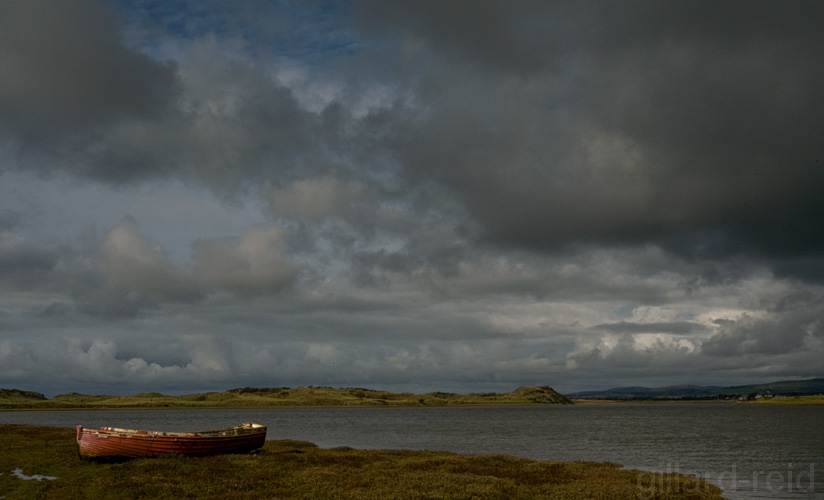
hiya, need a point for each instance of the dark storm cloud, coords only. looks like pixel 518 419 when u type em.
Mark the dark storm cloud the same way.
pixel 695 126
pixel 794 324
pixel 692 126
pixel 9 219
pixel 25 265
pixel 73 97
pixel 65 75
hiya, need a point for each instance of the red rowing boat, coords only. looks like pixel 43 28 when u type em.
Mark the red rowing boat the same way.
pixel 109 442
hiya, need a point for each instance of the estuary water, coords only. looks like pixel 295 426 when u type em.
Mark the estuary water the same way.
pixel 752 452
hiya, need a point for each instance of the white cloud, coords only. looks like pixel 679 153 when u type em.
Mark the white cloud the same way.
pixel 313 200
pixel 130 260
pixel 253 263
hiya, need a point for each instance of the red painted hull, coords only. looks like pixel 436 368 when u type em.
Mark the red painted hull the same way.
pixel 109 442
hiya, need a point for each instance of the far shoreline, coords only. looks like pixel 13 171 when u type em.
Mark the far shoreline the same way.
pixel 585 402
pixel 776 401
pixel 250 397
pixel 328 397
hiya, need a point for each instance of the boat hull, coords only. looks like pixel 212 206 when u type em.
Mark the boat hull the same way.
pixel 109 442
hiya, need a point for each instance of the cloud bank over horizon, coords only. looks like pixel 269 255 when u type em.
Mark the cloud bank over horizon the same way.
pixel 467 196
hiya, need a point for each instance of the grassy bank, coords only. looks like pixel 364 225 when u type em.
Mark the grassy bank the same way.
pixel 788 400
pixel 300 470
pixel 281 396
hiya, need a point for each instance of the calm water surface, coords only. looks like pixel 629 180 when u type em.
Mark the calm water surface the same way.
pixel 753 452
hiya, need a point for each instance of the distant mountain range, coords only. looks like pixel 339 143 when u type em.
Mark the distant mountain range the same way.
pixel 783 388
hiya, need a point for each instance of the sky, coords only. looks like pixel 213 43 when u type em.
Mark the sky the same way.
pixel 465 196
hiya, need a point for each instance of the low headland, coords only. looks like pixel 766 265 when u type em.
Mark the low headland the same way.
pixel 247 397
pixel 41 462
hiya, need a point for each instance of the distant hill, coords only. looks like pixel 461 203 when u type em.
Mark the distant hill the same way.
pixel 281 396
pixel 683 392
pixel 16 394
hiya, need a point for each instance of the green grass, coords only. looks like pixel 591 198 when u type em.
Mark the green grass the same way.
pixel 281 396
pixel 301 470
pixel 789 400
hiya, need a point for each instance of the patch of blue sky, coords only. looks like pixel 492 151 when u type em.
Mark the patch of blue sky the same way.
pixel 308 31
pixel 180 18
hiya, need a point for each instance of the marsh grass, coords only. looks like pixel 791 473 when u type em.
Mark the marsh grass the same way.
pixel 789 400
pixel 300 470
